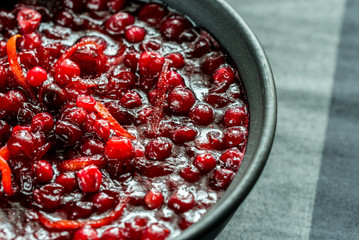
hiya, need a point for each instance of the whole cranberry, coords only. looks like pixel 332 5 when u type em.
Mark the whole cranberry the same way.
pixel 174 79
pixel 153 199
pixel 86 102
pixel 21 143
pixel 152 13
pixel 43 122
pixel 224 75
pixel 181 100
pixel 65 71
pixel 119 148
pixel 173 27
pixel 114 233
pixel 43 171
pixel 234 136
pixel 159 149
pixel 85 233
pixel 183 134
pixel 131 99
pixel 202 114
pixel 117 23
pixel 68 132
pixel 92 147
pixel 155 232
pixel 36 76
pixel 235 116
pixel 28 20
pixel 135 34
pixel 102 129
pixel 12 101
pixel 150 63
pixel 48 197
pixel 76 116
pixel 212 62
pixel 53 96
pixel 190 174
pixel 231 159
pixel 181 201
pixel 205 162
pixel 103 201
pixel 177 60
pixel 90 179
pixel 221 178
pixel 68 181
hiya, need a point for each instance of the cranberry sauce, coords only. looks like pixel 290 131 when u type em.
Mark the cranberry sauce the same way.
pixel 118 120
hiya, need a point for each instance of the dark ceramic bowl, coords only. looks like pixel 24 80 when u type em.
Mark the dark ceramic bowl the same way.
pixel 236 37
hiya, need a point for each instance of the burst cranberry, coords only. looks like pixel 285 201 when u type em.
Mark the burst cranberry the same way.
pixel 231 159
pixel 48 197
pixel 183 134
pixel 81 209
pixel 159 149
pixel 68 181
pixel 177 60
pixel 151 46
pixel 144 115
pixel 119 148
pixel 181 100
pixel 224 75
pixel 90 179
pixel 114 233
pixel 181 201
pixel 221 178
pixel 53 96
pixel 68 132
pixel 85 233
pixel 96 5
pixel 174 79
pixel 30 41
pixel 43 122
pixel 190 174
pixel 36 76
pixel 131 99
pixel 43 171
pixel 116 5
pixel 92 147
pixel 234 136
pixel 205 162
pixel 76 116
pixel 131 60
pixel 28 20
pixel 65 71
pixel 153 199
pixel 117 23
pixel 235 116
pixel 12 101
pixel 103 202
pixel 173 27
pixel 123 80
pixel 150 63
pixel 135 34
pixel 152 13
pixel 135 227
pixel 21 143
pixel 102 129
pixel 86 102
pixel 212 62
pixel 101 43
pixel 202 114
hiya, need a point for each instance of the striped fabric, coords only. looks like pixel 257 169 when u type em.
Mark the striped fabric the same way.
pixel 310 186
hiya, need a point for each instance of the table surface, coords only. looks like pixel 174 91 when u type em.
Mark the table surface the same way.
pixel 309 187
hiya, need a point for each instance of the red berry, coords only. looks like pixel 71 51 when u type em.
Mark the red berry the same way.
pixel 103 201
pixel 53 96
pixel 234 136
pixel 86 102
pixel 131 99
pixel 68 181
pixel 177 60
pixel 181 100
pixel 116 5
pixel 92 147
pixel 30 41
pixel 153 199
pixel 155 232
pixel 43 122
pixel 3 77
pixel 190 174
pixel 96 5
pixel 28 20
pixel 173 27
pixel 144 115
pixel 12 101
pixel 183 134
pixel 131 60
pixel 36 76
pixel 85 233
pixel 152 13
pixel 48 197
pixel 150 63
pixel 43 171
pixel 202 114
pixel 235 116
pixel 117 23
pixel 68 132
pixel 174 79
pixel 135 227
pixel 114 233
pixel 119 148
pixel 212 61
pixel 21 143
pixel 221 178
pixel 205 162
pixel 181 201
pixel 135 34
pixel 159 149
pixel 65 71
pixel 90 179
pixel 102 129
pixel 231 159
pixel 224 75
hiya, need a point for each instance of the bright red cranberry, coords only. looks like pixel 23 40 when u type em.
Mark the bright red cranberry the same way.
pixel 68 181
pixel 144 115
pixel 174 79
pixel 200 47
pixel 135 227
pixel 96 5
pixel 90 122
pixel 116 5
pixel 92 147
pixel 68 132
pixel 235 116
pixel 30 41
pixel 102 129
pixel 153 199
pixel 205 162
pixel 202 114
pixel 66 19
pixel 28 20
pixel 135 34
pixel 76 116
pixel 86 102
pixel 231 159
pixel 65 71
pixel 119 148
pixel 123 80
pixel 224 75
pixel 114 233
pixel 212 62
pixel 43 122
pixel 117 23
pixel 90 179
pixel 48 197
pixel 173 27
pixel 81 209
pixel 234 136
pixel 181 100
pixel 155 232
pixel 131 60
pixel 190 174
pixel 4 131
pixel 159 149
pixel 53 96
pixel 183 134
pixel 85 233
pixel 103 202
pixel 181 201
pixel 21 143
pixel 177 60
pixel 152 13
pixel 12 101
pixel 36 76
pixel 43 171
pixel 150 63
pixel 221 178
pixel 131 99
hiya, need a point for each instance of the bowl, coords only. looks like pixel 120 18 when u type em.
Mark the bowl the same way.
pixel 231 31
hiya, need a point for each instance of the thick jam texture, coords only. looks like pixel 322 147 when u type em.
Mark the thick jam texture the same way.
pixel 118 120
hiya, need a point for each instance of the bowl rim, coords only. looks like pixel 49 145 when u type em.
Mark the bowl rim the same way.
pixel 226 206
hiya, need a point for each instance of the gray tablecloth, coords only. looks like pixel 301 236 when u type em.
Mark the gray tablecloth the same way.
pixel 309 188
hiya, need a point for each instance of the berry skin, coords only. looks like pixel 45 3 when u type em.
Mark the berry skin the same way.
pixel 43 122
pixel 177 60
pixel 205 162
pixel 155 232
pixel 48 197
pixel 85 233
pixel 181 201
pixel 150 63
pixel 231 159
pixel 119 148
pixel 221 178
pixel 28 20
pixel 235 116
pixel 152 13
pixel 90 179
pixel 153 199
pixel 224 75
pixel 43 171
pixel 181 100
pixel 159 149
pixel 135 34
pixel 36 76
pixel 68 181
pixel 118 22
pixel 65 71
pixel 86 102
pixel 202 114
